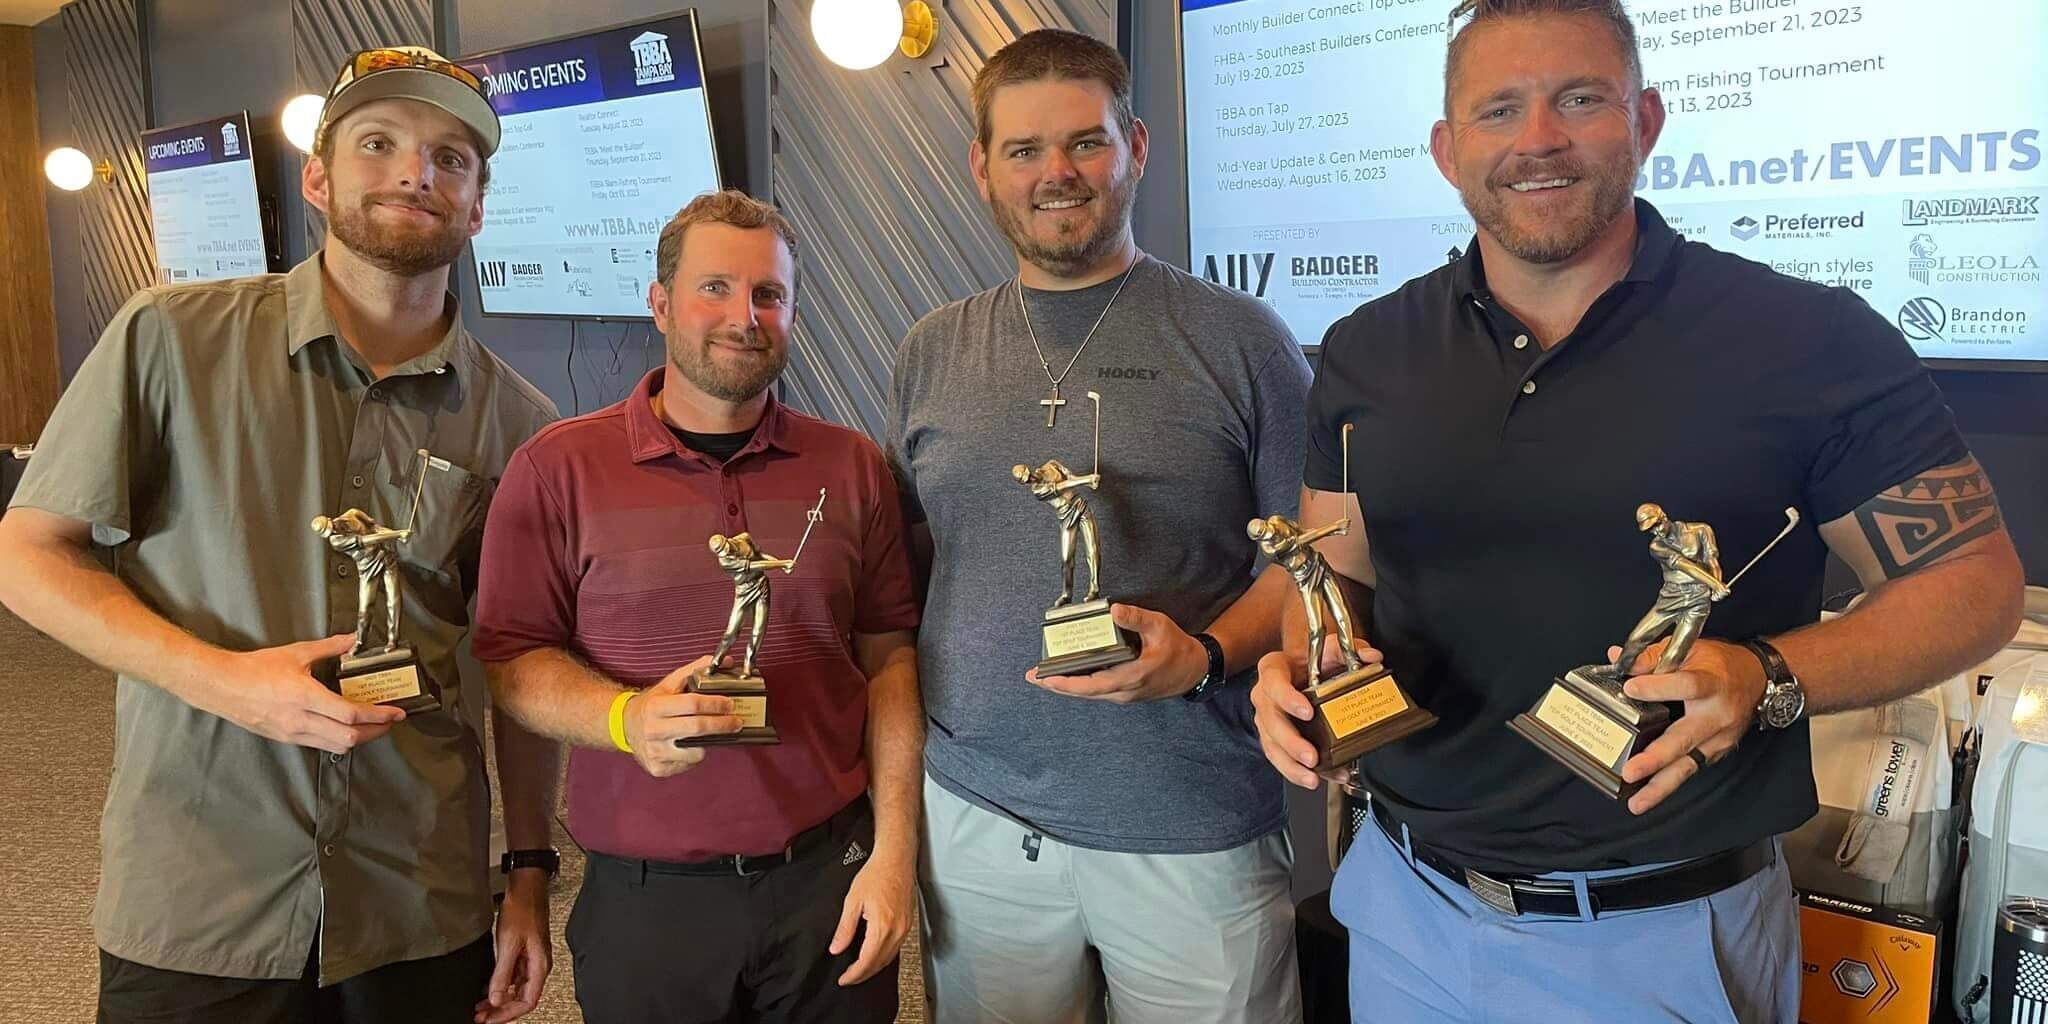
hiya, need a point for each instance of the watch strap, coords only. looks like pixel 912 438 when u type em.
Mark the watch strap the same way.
pixel 547 860
pixel 1216 676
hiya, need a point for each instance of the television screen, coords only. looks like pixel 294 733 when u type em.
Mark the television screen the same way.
pixel 1894 149
pixel 202 200
pixel 606 135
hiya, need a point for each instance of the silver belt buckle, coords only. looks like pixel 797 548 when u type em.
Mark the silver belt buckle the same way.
pixel 1493 892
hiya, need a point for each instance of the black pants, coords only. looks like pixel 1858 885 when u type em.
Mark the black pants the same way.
pixel 653 946
pixel 435 990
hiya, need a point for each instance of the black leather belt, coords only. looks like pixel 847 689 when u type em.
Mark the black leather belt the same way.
pixel 1550 897
pixel 747 864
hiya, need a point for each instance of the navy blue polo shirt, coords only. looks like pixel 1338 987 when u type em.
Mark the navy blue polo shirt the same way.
pixel 1499 481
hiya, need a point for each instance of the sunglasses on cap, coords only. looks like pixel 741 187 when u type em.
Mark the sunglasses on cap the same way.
pixel 369 62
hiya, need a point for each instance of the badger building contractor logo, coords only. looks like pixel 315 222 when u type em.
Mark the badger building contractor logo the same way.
pixel 651 61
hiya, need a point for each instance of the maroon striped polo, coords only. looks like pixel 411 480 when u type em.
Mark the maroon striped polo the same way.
pixel 597 543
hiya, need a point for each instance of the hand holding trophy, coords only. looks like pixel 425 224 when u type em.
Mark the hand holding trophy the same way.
pixel 387 673
pixel 744 561
pixel 1077 638
pixel 1584 720
pixel 1363 707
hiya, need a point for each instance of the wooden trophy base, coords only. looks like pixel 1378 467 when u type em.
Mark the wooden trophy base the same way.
pixel 1082 638
pixel 749 701
pixel 1359 711
pixel 388 676
pixel 1589 725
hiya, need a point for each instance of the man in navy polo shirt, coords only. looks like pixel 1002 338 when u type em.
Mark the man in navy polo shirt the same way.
pixel 1513 410
pixel 730 885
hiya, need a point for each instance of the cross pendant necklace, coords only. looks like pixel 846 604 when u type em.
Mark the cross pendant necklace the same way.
pixel 1053 401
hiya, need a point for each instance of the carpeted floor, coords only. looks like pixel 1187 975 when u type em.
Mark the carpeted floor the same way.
pixel 56 743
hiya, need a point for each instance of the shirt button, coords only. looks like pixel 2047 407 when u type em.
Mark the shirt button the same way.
pixel 334 758
pixel 732 510
pixel 356 481
pixel 376 394
pixel 341 570
pixel 1529 387
pixel 327 850
pixel 1521 341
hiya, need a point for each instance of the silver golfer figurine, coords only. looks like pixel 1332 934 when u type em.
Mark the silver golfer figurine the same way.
pixel 1363 707
pixel 1077 637
pixel 743 560
pixel 386 673
pixel 1584 720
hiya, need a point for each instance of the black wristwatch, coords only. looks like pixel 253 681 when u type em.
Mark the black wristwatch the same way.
pixel 1215 679
pixel 549 861
pixel 1784 699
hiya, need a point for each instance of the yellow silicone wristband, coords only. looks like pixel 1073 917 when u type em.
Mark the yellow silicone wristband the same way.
pixel 618 720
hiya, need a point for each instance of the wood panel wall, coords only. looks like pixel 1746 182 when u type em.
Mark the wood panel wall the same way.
pixel 28 316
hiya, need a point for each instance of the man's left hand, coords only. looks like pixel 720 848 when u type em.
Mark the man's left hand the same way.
pixel 884 894
pixel 1169 663
pixel 1720 684
pixel 525 950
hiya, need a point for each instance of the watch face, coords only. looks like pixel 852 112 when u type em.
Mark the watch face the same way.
pixel 1783 705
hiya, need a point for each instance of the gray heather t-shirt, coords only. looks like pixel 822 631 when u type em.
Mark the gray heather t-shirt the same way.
pixel 1203 393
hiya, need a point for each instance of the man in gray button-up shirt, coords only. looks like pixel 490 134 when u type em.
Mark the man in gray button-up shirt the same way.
pixel 280 843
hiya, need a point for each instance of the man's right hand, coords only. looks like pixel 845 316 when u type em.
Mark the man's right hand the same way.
pixel 664 713
pixel 272 693
pixel 1278 704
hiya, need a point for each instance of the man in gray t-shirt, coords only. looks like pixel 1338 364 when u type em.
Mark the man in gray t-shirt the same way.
pixel 1112 835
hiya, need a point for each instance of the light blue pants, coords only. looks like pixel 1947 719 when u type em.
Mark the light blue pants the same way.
pixel 1425 950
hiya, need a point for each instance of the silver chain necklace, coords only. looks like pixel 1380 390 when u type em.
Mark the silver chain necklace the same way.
pixel 1053 401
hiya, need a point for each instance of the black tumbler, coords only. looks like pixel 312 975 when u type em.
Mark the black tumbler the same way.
pixel 2019 963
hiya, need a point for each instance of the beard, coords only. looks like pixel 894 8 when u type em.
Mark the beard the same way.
pixel 403 251
pixel 728 382
pixel 1607 191
pixel 1080 247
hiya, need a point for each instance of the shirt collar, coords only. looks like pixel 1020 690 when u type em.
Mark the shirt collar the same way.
pixel 651 438
pixel 1655 242
pixel 308 320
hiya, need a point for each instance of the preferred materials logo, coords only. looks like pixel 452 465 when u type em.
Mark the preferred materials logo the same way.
pixel 1796 225
pixel 1248 272
pixel 651 61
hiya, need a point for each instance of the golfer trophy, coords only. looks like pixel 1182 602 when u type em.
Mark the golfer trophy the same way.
pixel 1584 720
pixel 743 560
pixel 1077 637
pixel 386 673
pixel 1362 707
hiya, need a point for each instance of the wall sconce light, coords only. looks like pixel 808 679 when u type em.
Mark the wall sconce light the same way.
pixel 859 34
pixel 70 169
pixel 300 119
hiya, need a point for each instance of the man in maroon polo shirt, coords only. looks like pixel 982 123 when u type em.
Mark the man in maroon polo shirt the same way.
pixel 728 884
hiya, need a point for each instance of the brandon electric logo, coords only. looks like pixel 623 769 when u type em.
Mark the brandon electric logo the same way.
pixel 651 61
pixel 1926 319
pixel 1245 271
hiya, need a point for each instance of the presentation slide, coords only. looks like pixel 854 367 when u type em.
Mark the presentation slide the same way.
pixel 202 201
pixel 607 135
pixel 1892 148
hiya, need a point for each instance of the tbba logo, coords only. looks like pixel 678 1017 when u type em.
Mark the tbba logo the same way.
pixel 490 274
pixel 1235 270
pixel 230 140
pixel 651 61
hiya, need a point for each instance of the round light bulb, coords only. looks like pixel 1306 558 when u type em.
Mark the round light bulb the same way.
pixel 857 34
pixel 301 118
pixel 68 168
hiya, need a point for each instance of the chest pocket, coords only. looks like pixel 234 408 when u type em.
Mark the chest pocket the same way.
pixel 448 533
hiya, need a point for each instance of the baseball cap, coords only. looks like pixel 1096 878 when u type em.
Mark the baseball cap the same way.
pixel 412 73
